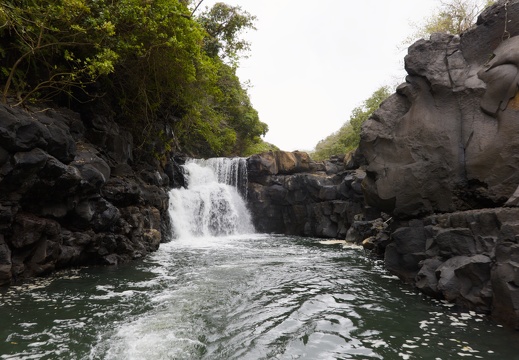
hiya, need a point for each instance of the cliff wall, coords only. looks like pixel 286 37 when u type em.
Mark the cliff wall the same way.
pixel 442 160
pixel 290 194
pixel 69 197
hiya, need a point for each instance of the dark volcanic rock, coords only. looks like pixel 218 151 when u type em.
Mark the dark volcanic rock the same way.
pixel 68 196
pixel 465 257
pixel 290 194
pixel 505 282
pixel 446 143
pixel 446 140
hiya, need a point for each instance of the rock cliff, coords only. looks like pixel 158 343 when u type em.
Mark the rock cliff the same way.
pixel 442 159
pixel 69 197
pixel 290 194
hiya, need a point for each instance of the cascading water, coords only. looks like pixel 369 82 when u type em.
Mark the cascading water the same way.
pixel 211 204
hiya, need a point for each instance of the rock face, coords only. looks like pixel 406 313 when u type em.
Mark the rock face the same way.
pixel 467 257
pixel 442 159
pixel 69 197
pixel 447 140
pixel 290 194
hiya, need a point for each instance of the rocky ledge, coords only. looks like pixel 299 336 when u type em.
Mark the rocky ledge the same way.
pixel 469 258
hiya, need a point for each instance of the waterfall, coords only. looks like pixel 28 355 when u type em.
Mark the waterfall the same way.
pixel 211 204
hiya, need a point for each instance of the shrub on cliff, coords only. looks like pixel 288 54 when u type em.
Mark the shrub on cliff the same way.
pixel 152 62
pixel 347 138
pixel 451 16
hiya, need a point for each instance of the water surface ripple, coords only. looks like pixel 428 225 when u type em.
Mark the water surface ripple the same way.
pixel 240 297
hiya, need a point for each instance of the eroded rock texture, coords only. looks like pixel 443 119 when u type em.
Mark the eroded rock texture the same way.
pixel 68 195
pixel 290 194
pixel 448 143
pixel 447 140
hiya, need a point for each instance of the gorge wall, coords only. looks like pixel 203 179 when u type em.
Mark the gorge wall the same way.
pixel 290 194
pixel 434 188
pixel 442 159
pixel 69 197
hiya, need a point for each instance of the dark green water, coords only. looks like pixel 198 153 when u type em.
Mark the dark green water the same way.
pixel 247 297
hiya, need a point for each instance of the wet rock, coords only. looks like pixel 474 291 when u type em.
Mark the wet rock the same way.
pixel 60 204
pixel 290 194
pixel 404 254
pixel 427 278
pixel 505 283
pixel 465 257
pixel 466 280
pixel 5 262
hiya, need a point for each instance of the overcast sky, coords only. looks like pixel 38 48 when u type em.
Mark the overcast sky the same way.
pixel 312 62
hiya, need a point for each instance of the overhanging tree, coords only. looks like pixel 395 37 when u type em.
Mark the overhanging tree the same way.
pixel 51 47
pixel 152 62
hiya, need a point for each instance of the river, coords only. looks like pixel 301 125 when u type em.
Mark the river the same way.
pixel 225 293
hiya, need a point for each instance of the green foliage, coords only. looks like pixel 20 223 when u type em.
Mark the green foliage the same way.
pixel 259 147
pixel 155 65
pixel 224 23
pixel 347 138
pixel 452 17
pixel 51 47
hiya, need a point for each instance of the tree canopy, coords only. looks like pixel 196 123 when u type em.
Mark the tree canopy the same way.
pixel 155 63
pixel 347 138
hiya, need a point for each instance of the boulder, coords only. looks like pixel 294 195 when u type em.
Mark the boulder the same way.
pixel 465 280
pixel 94 171
pixel 23 131
pixel 404 254
pixel 278 162
pixel 426 279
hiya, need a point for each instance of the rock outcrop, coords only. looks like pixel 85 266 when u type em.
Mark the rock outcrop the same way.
pixel 290 194
pixel 442 159
pixel 447 140
pixel 69 197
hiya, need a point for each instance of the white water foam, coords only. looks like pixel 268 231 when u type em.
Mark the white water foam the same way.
pixel 211 205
